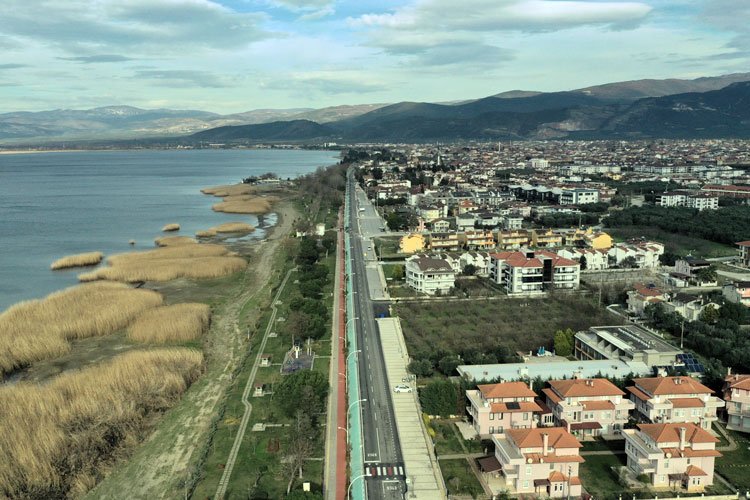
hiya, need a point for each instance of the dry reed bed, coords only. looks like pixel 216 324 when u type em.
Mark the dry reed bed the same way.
pixel 169 263
pixel 77 260
pixel 39 329
pixel 56 439
pixel 227 227
pixel 171 241
pixel 229 190
pixel 171 227
pixel 245 204
pixel 174 323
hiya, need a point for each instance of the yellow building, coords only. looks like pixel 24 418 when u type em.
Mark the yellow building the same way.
pixel 411 243
pixel 599 241
pixel 545 238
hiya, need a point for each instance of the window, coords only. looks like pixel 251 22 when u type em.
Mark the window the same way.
pixel 528 470
pixel 525 416
pixel 492 416
pixel 525 484
pixel 492 430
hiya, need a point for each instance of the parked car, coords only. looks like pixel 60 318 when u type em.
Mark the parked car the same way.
pixel 402 388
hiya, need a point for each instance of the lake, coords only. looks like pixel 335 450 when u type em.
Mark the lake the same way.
pixel 56 204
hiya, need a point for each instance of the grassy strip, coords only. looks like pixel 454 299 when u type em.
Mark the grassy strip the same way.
pixel 460 479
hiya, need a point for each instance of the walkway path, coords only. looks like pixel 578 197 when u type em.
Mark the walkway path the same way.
pixel 732 443
pixel 224 481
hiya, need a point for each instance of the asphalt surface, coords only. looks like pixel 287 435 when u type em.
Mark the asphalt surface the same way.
pixel 382 453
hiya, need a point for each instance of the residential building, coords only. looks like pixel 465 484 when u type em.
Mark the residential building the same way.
pixel 513 239
pixel 645 253
pixel 625 343
pixel 444 242
pixel 478 239
pixel 441 225
pixel 533 272
pixel 538 163
pixel 737 292
pixel 495 408
pixel 690 265
pixel 411 243
pixel 588 407
pixel 511 222
pixel 744 252
pixel 540 461
pixel 642 296
pixel 429 275
pixel 579 196
pixel 736 393
pixel 595 260
pixel 700 201
pixel 480 261
pixel 728 191
pixel 672 455
pixel 675 400
pixel 688 306
pixel 553 370
pixel 541 238
pixel 598 241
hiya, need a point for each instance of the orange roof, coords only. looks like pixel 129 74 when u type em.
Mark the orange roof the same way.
pixel 532 438
pixel 585 387
pixel 638 393
pixel 743 243
pixel 648 292
pixel 671 385
pixel 575 481
pixel 523 406
pixel 557 477
pixel 691 453
pixel 692 470
pixel 598 405
pixel 686 403
pixel 738 382
pixel 551 395
pixel 670 433
pixel 506 390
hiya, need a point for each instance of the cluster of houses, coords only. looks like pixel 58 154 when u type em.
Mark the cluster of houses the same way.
pixel 665 422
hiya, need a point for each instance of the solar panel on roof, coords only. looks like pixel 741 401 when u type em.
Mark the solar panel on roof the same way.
pixel 513 406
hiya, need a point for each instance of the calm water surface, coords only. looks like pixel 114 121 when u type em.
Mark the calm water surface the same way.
pixel 56 204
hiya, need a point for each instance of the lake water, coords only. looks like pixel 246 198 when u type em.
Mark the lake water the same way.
pixel 56 204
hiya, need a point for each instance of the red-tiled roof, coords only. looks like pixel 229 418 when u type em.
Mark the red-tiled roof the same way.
pixel 506 390
pixel 692 470
pixel 686 403
pixel 585 387
pixel 671 385
pixel 670 433
pixel 738 381
pixel 532 438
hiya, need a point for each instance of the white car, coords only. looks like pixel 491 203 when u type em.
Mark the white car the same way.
pixel 402 388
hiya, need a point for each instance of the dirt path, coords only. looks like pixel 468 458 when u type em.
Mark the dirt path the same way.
pixel 162 465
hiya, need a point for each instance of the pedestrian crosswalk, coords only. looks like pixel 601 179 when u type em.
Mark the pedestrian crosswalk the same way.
pixel 384 471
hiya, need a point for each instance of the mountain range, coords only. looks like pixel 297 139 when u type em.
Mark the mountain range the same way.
pixel 703 107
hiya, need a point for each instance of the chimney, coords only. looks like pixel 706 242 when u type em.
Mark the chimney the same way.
pixel 531 385
pixel 729 371
pixel 545 443
pixel 682 438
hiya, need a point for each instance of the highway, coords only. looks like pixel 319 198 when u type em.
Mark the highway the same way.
pixel 382 453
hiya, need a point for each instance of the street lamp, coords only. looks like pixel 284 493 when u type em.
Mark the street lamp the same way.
pixel 354 403
pixel 347 322
pixel 347 356
pixel 349 488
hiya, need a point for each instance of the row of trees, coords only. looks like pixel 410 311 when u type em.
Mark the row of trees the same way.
pixel 726 225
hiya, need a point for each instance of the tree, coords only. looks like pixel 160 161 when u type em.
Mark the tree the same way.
pixel 448 364
pixel 470 269
pixel 583 262
pixel 421 367
pixel 399 272
pixel 564 341
pixel 300 447
pixel 709 314
pixel 439 397
pixel 291 391
pixel 706 275
pixel 628 263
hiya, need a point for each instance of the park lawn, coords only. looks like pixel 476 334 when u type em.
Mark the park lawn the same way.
pixel 676 243
pixel 389 271
pixel 734 466
pixel 523 324
pixel 460 479
pixel 598 478
pixel 448 440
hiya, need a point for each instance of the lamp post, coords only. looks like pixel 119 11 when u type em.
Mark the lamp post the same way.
pixel 349 488
pixel 354 403
pixel 348 355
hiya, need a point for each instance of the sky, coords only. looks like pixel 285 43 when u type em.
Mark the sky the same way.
pixel 231 56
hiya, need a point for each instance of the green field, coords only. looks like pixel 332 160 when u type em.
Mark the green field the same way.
pixel 598 478
pixel 674 243
pixel 734 466
pixel 438 328
pixel 460 479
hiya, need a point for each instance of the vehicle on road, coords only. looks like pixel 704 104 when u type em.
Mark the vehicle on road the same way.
pixel 402 388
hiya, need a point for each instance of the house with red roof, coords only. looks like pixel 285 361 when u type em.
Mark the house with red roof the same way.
pixel 736 392
pixel 588 407
pixel 672 455
pixel 495 408
pixel 541 461
pixel 532 272
pixel 644 295
pixel 675 400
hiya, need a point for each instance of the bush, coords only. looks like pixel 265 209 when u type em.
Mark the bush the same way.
pixel 421 367
pixel 303 389
pixel 440 397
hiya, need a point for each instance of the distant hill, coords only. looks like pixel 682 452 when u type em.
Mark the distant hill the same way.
pixel 275 131
pixel 637 89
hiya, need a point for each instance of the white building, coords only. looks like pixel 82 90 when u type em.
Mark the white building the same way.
pixel 700 201
pixel 646 254
pixel 429 275
pixel 596 260
pixel 534 272
pixel 579 196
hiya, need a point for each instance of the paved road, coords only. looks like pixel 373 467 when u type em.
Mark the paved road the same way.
pixel 382 454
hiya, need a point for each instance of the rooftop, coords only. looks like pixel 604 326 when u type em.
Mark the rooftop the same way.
pixel 554 370
pixel 631 338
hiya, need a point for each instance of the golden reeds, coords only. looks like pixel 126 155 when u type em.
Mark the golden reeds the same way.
pixel 56 438
pixel 171 227
pixel 39 329
pixel 229 190
pixel 227 227
pixel 243 206
pixel 78 260
pixel 171 241
pixel 174 323
pixel 168 263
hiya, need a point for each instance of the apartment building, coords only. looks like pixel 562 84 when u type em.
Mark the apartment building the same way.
pixel 743 248
pixel 728 191
pixel 579 196
pixel 672 455
pixel 477 239
pixel 480 261
pixel 628 343
pixel 645 253
pixel 429 275
pixel 444 242
pixel 588 407
pixel 513 239
pixel 541 461
pixel 494 408
pixel 737 292
pixel 542 238
pixel 533 272
pixel 736 393
pixel 700 201
pixel 675 400
pixel 595 260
